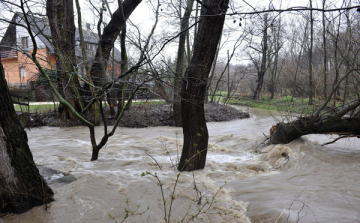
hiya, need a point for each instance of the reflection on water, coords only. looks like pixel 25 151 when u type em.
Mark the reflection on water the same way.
pixel 301 180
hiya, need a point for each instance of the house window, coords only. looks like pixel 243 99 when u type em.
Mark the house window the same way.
pixel 82 71
pixel 24 42
pixel 22 71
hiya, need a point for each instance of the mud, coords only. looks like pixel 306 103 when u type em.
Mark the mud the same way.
pixel 140 116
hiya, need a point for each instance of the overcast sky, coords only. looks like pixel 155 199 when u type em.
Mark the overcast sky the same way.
pixel 143 15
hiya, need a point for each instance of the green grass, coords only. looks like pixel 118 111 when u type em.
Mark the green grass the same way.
pixel 283 104
pixel 50 107
pixel 36 108
pixel 148 102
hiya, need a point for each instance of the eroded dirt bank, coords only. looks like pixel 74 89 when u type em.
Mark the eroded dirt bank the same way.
pixel 140 116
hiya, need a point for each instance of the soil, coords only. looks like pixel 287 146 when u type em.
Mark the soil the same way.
pixel 140 116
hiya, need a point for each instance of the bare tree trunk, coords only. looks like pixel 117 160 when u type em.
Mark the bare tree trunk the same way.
pixel 337 59
pixel 275 71
pixel 180 62
pixel 295 83
pixel 228 78
pixel 311 92
pixel 124 68
pixel 261 72
pixel 96 106
pixel 111 95
pixel 109 35
pixel 349 48
pixel 117 95
pixel 283 133
pixel 211 78
pixel 195 131
pixel 340 122
pixel 325 51
pixel 62 26
pixel 336 80
pixel 219 80
pixel 21 186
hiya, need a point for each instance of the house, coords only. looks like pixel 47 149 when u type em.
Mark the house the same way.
pixel 16 43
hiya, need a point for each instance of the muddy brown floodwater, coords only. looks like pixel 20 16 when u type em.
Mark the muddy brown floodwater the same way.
pixel 298 182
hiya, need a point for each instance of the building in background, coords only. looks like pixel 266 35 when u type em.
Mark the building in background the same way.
pixel 16 45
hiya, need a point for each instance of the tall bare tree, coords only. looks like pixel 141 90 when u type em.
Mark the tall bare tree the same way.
pixel 262 68
pixel 109 35
pixel 310 52
pixel 184 25
pixel 193 88
pixel 325 51
pixel 61 18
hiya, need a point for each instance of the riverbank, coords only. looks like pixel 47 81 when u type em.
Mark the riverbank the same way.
pixel 286 104
pixel 141 115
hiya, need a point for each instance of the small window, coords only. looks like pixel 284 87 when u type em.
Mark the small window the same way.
pixel 24 42
pixel 22 71
pixel 81 71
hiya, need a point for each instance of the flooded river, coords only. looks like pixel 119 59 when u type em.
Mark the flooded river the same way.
pixel 299 182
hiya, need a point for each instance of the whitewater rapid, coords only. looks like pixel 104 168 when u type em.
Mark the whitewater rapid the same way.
pixel 252 182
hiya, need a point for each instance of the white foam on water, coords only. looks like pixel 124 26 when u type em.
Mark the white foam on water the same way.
pixel 323 178
pixel 57 176
pixel 232 158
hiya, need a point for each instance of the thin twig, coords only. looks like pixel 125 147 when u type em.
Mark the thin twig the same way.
pixel 341 137
pixel 160 167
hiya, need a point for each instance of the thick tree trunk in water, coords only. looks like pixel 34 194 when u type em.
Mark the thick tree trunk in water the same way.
pixel 21 186
pixel 283 133
pixel 195 131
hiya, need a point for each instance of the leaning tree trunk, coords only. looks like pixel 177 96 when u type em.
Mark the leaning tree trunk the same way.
pixel 344 122
pixel 284 133
pixel 21 185
pixel 109 35
pixel 195 131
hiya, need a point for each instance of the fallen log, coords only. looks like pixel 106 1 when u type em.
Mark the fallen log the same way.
pixel 344 121
pixel 283 133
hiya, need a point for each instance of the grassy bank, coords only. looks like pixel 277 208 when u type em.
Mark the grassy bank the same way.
pixel 36 108
pixel 39 108
pixel 283 104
